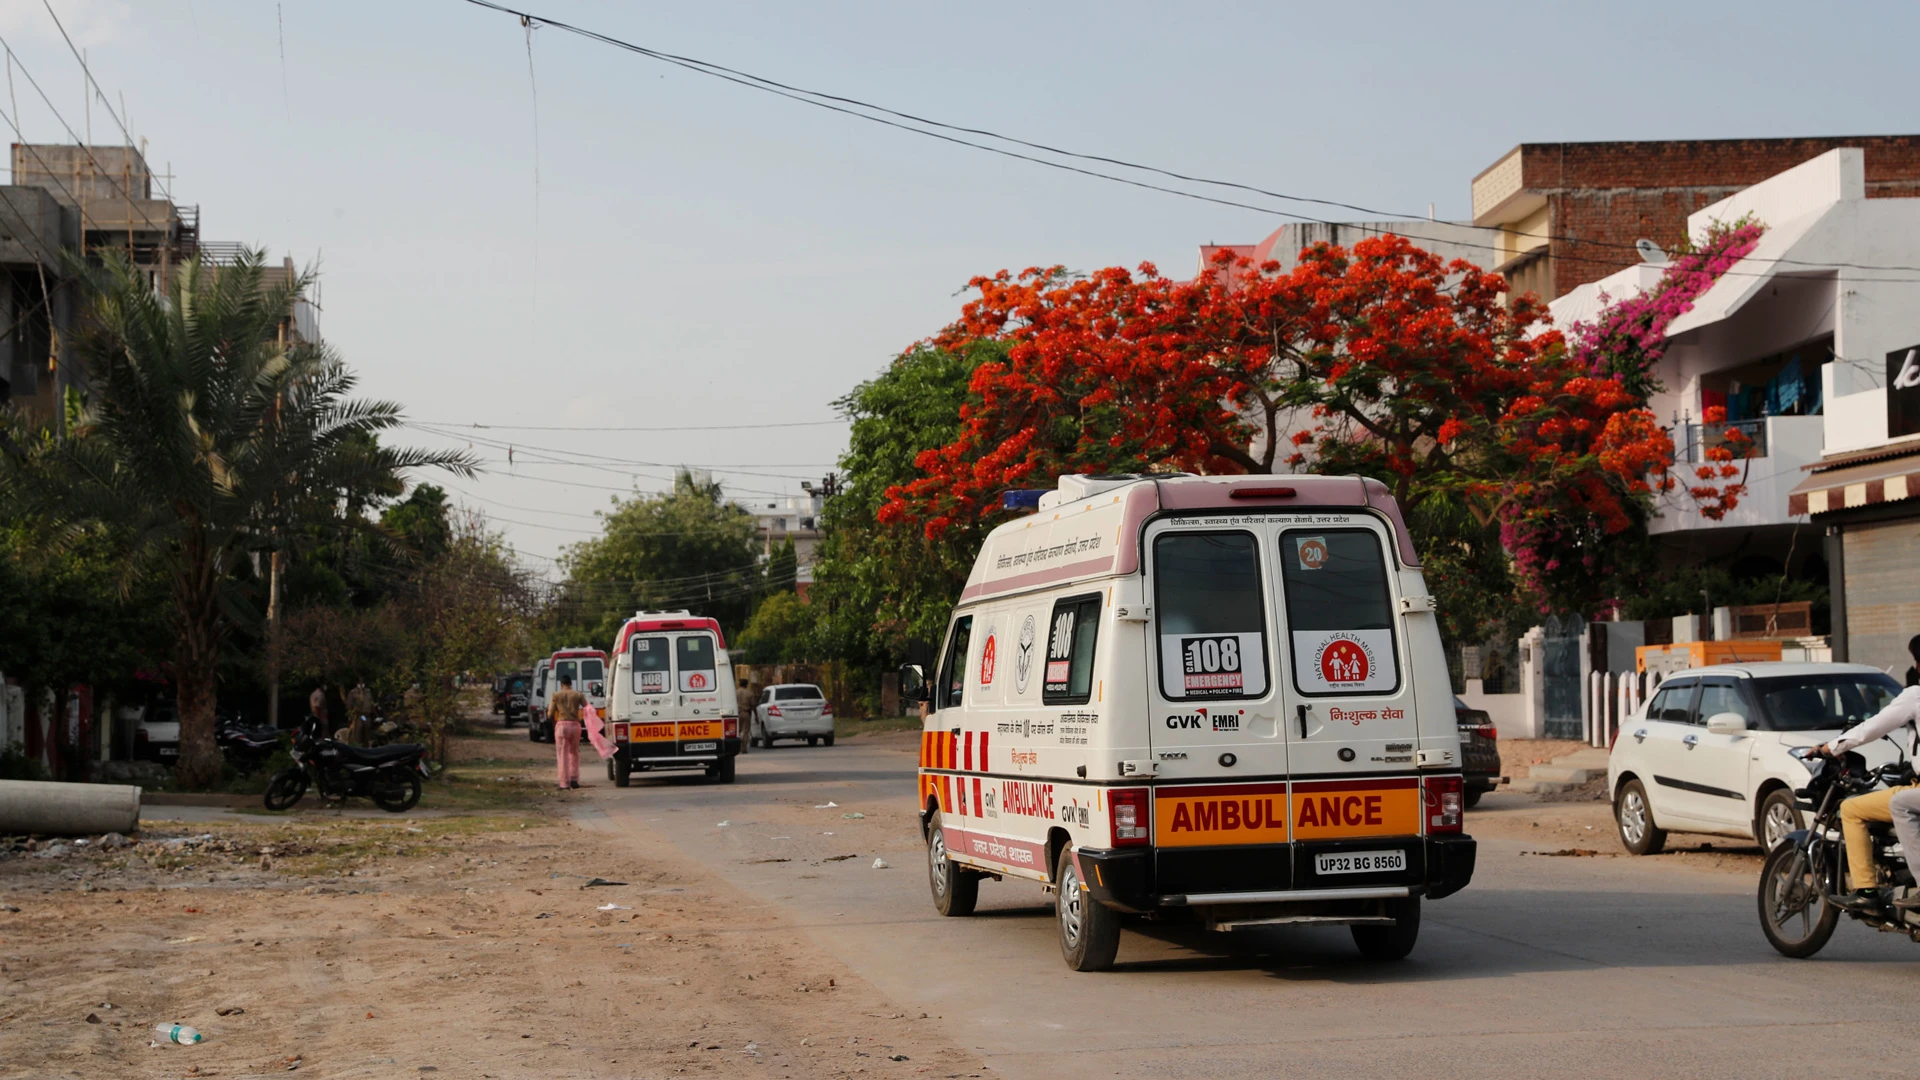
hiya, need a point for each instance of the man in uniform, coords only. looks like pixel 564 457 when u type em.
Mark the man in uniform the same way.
pixel 565 707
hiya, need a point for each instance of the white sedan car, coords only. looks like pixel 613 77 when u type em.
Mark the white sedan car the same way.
pixel 1707 753
pixel 792 711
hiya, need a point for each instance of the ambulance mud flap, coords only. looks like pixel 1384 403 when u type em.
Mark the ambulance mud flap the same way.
pixel 1118 879
pixel 1449 864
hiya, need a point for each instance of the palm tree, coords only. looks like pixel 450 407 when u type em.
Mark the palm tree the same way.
pixel 208 433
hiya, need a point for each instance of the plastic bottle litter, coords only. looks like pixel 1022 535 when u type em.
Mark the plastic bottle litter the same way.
pixel 178 1033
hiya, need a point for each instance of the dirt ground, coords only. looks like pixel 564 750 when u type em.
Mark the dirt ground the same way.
pixel 466 942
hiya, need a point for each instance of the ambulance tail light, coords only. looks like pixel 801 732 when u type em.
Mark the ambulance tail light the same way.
pixel 1445 798
pixel 1127 809
pixel 730 727
pixel 619 733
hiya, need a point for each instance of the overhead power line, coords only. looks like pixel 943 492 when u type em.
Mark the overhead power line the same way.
pixel 463 424
pixel 906 121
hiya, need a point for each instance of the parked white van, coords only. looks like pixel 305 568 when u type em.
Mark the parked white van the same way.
pixel 1223 698
pixel 674 705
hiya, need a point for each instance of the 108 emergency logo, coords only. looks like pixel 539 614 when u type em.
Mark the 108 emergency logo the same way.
pixel 1211 663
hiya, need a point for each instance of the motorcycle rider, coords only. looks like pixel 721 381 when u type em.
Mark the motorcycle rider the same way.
pixel 1901 806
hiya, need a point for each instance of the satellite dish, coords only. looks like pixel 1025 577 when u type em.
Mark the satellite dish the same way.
pixel 1650 252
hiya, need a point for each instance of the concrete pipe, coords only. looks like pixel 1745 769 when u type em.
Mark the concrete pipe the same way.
pixel 33 806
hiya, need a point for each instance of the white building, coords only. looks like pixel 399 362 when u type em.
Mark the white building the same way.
pixel 790 517
pixel 1800 340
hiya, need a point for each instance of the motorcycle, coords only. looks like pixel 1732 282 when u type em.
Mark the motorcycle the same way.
pixel 1805 874
pixel 245 748
pixel 389 775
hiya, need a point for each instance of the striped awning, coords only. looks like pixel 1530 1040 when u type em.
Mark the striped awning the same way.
pixel 1849 482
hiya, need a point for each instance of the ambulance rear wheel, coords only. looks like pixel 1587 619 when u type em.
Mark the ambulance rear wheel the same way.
pixel 721 772
pixel 1089 930
pixel 1391 942
pixel 622 772
pixel 955 890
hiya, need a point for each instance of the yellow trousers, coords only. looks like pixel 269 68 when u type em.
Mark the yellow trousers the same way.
pixel 1855 813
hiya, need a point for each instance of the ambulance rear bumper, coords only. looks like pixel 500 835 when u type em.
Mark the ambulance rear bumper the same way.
pixel 1146 879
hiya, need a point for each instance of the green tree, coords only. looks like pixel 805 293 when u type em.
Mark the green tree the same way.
pixel 65 620
pixel 783 568
pixel 886 591
pixel 780 632
pixel 208 435
pixel 687 548
pixel 420 522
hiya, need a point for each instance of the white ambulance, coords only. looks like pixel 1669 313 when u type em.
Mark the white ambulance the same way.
pixel 674 705
pixel 1219 698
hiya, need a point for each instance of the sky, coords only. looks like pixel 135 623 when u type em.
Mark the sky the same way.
pixel 610 241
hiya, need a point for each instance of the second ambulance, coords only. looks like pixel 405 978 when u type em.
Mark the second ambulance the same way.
pixel 1216 698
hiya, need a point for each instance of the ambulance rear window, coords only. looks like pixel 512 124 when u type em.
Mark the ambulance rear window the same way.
pixel 592 670
pixel 693 656
pixel 1213 640
pixel 652 665
pixel 1339 611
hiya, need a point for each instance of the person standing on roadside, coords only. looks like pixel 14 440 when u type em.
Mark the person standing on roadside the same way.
pixel 564 707
pixel 317 707
pixel 359 710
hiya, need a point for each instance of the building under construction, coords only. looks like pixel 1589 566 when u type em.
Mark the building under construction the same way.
pixel 73 201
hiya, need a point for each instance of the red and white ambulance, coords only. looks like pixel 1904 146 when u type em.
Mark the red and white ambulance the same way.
pixel 586 669
pixel 674 705
pixel 1220 698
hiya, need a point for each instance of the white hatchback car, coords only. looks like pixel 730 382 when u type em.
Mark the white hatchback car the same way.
pixel 792 711
pixel 1707 753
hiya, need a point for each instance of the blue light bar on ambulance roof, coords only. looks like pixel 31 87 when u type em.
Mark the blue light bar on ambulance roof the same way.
pixel 1021 499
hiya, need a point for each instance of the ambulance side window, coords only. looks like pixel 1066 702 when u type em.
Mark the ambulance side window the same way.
pixel 1339 611
pixel 953 668
pixel 1071 636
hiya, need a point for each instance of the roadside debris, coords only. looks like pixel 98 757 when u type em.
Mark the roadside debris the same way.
pixel 177 1033
pixel 840 858
pixel 881 864
pixel 827 806
pixel 601 881
pixel 230 1010
pixel 855 816
pixel 614 907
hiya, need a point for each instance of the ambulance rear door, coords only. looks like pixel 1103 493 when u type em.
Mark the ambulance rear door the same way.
pixel 698 684
pixel 1348 702
pixel 1220 751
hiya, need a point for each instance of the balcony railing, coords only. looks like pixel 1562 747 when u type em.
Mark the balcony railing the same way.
pixel 1702 437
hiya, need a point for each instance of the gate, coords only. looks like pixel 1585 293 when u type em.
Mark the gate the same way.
pixel 1560 653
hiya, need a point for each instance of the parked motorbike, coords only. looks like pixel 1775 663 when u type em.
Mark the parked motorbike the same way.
pixel 389 775
pixel 1805 875
pixel 246 748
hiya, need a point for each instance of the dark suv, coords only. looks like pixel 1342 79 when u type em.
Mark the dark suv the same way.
pixel 1479 750
pixel 510 695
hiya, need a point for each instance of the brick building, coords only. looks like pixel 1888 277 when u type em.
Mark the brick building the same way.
pixel 1569 213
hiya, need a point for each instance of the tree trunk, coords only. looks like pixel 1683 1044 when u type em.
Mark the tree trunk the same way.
pixel 198 688
pixel 273 641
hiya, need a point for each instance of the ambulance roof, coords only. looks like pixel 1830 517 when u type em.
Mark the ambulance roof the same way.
pixel 1099 535
pixel 650 621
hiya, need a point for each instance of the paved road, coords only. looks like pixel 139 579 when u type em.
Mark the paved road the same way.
pixel 1545 966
